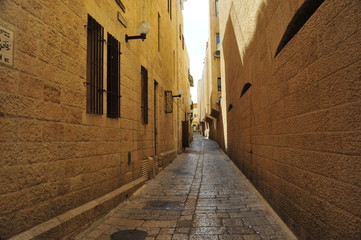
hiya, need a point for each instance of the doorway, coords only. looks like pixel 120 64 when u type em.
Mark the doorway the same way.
pixel 155 116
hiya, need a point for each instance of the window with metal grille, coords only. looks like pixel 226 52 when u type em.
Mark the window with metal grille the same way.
pixel 113 70
pixel 144 95
pixel 219 84
pixel 95 50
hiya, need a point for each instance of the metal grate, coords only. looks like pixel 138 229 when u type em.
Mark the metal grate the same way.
pixel 144 100
pixel 163 204
pixel 95 50
pixel 129 235
pixel 145 168
pixel 168 101
pixel 113 74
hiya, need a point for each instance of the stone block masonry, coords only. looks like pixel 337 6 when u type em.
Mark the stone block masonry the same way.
pixel 201 195
pixel 296 132
pixel 54 155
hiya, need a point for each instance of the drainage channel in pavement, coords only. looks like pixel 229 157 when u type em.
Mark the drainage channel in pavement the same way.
pixel 129 235
pixel 159 204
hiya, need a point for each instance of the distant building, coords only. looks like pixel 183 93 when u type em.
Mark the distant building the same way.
pixel 211 89
pixel 195 121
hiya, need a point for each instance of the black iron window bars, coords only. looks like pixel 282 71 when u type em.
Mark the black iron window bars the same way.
pixel 95 50
pixel 113 72
pixel 144 96
pixel 95 71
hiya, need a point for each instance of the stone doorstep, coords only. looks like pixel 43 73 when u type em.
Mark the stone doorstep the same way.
pixel 70 215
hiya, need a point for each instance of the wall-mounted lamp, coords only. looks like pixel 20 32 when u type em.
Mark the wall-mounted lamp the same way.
pixel 179 91
pixel 143 29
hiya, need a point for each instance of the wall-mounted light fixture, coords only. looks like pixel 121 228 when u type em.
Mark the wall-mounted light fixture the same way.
pixel 143 29
pixel 180 91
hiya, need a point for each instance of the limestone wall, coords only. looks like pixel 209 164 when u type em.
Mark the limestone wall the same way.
pixel 296 132
pixel 54 155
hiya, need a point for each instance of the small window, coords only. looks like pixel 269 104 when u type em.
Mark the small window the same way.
pixel 216 8
pixel 121 5
pixel 183 42
pixel 144 94
pixel 302 15
pixel 218 42
pixel 113 75
pixel 170 8
pixel 158 32
pixel 219 84
pixel 245 88
pixel 94 76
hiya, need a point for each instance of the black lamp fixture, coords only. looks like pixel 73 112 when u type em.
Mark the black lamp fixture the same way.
pixel 179 94
pixel 143 29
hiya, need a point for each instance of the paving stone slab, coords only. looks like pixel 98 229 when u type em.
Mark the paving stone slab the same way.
pixel 200 195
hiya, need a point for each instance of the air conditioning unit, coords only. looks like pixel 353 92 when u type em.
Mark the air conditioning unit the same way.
pixel 217 53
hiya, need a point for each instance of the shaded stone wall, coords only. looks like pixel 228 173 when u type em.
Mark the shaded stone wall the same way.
pixel 296 132
pixel 54 155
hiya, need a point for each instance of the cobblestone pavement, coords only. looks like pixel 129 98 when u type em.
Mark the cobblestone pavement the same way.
pixel 201 195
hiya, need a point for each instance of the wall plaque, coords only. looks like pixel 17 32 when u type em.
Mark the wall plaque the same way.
pixel 168 101
pixel 6 46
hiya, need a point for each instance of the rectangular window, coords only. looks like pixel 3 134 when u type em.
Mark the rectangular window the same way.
pixel 170 8
pixel 219 84
pixel 218 42
pixel 121 5
pixel 158 32
pixel 216 8
pixel 113 70
pixel 144 95
pixel 183 42
pixel 94 76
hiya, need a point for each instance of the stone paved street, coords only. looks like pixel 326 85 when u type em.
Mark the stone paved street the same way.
pixel 201 195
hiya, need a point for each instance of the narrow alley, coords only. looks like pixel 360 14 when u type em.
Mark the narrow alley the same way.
pixel 180 119
pixel 201 195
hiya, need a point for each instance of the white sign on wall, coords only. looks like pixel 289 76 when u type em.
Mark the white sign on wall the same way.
pixel 6 46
